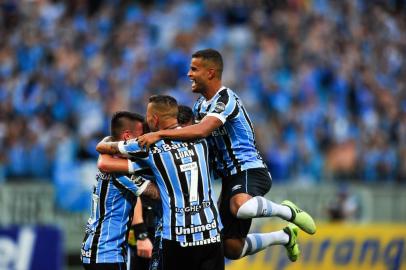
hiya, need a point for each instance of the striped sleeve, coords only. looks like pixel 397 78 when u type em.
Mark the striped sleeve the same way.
pixel 225 108
pixel 125 182
pixel 132 149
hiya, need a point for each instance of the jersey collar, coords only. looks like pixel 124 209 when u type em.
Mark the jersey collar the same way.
pixel 214 97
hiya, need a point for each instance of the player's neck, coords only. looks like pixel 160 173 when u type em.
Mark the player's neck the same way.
pixel 212 90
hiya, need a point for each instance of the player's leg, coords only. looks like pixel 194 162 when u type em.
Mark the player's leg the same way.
pixel 255 242
pixel 238 243
pixel 234 229
pixel 245 206
pixel 237 190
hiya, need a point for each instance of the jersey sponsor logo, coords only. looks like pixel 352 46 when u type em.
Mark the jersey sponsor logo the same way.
pixel 181 230
pixel 193 208
pixel 212 240
pixel 168 147
pixel 220 107
pixel 234 188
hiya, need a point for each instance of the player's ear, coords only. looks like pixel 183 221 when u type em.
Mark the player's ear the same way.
pixel 211 73
pixel 156 121
pixel 127 135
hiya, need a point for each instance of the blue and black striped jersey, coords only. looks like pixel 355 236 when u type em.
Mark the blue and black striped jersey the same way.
pixel 113 202
pixel 182 174
pixel 233 144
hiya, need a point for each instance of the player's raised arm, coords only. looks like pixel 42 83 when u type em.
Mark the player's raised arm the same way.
pixel 192 132
pixel 128 148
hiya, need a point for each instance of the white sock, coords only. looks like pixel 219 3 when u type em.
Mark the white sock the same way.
pixel 256 242
pixel 260 207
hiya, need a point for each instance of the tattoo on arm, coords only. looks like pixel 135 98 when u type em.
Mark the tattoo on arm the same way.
pixel 152 192
pixel 113 148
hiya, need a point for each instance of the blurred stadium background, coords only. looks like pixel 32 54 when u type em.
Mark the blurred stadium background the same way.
pixel 324 82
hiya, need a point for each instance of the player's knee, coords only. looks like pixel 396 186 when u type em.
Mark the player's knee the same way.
pixel 231 255
pixel 237 201
pixel 233 248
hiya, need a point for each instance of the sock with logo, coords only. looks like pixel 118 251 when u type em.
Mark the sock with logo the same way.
pixel 260 207
pixel 256 242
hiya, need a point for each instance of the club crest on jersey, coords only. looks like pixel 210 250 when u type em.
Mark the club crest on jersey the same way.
pixel 219 108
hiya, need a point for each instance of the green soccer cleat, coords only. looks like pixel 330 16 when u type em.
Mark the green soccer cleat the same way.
pixel 292 247
pixel 300 218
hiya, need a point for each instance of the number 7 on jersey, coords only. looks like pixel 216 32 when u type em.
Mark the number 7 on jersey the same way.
pixel 194 178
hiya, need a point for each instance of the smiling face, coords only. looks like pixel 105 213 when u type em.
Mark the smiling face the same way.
pixel 200 74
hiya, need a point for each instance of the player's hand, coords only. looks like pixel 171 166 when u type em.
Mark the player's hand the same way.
pixel 147 139
pixel 144 248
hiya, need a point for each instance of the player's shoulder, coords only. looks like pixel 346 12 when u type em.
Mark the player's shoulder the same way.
pixel 230 92
pixel 226 96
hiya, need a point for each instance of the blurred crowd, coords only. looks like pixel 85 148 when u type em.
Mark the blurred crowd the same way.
pixel 324 81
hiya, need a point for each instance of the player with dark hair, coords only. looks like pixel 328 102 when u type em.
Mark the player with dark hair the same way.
pixel 191 225
pixel 185 116
pixel 146 221
pixel 114 197
pixel 221 116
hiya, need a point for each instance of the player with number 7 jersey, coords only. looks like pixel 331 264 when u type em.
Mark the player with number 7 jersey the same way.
pixel 191 223
pixel 181 170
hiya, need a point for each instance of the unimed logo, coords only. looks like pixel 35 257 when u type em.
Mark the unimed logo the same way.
pixel 16 254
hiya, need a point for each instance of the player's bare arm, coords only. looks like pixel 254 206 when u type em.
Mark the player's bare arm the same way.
pixel 192 132
pixel 109 164
pixel 110 148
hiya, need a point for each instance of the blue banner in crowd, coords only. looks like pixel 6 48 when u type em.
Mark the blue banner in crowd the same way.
pixel 31 248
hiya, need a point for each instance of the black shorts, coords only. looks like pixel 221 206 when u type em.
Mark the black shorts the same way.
pixel 203 257
pixel 255 182
pixel 105 266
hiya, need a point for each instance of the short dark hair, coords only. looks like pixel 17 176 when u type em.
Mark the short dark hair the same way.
pixel 212 56
pixel 120 121
pixel 163 99
pixel 165 105
pixel 185 114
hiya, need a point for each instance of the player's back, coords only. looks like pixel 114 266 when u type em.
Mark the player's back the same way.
pixel 106 230
pixel 182 173
pixel 233 144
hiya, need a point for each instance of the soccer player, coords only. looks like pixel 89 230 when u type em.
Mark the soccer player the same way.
pixel 146 212
pixel 145 226
pixel 114 196
pixel 221 116
pixel 191 224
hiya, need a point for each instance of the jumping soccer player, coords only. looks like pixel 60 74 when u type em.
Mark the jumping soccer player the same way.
pixel 222 118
